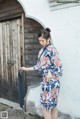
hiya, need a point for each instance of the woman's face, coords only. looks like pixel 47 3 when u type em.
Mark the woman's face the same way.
pixel 43 42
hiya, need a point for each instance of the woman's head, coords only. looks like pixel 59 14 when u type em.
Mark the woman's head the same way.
pixel 44 37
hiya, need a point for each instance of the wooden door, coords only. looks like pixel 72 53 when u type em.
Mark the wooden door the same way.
pixel 32 47
pixel 11 56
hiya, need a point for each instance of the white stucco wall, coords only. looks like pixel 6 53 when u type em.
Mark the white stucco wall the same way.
pixel 65 26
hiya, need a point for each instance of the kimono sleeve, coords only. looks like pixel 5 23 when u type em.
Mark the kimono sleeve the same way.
pixel 37 66
pixel 56 62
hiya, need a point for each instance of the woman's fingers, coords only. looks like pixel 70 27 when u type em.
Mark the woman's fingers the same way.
pixel 23 68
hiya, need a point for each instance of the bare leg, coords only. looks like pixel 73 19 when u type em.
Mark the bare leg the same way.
pixel 47 114
pixel 54 113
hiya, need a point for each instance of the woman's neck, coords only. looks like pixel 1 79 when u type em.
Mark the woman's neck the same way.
pixel 47 44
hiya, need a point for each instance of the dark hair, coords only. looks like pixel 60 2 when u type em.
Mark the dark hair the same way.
pixel 44 33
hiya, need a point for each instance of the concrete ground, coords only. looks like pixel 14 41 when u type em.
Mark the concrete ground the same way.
pixel 7 112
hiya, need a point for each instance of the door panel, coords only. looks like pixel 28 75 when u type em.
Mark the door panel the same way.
pixel 10 56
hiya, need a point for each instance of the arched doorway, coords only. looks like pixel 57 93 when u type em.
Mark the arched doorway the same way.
pixel 32 48
pixel 18 46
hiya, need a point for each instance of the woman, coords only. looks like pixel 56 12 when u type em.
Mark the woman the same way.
pixel 49 65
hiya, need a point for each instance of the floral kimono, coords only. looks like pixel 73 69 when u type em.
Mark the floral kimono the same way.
pixel 48 61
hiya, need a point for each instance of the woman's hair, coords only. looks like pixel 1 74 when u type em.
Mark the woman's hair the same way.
pixel 44 33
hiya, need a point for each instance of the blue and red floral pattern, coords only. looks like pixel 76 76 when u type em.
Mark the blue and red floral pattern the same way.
pixel 49 61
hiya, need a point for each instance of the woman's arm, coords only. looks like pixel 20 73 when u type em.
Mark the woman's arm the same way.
pixel 35 67
pixel 26 69
pixel 56 62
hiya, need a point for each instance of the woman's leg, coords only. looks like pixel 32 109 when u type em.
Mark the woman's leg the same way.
pixel 47 114
pixel 54 113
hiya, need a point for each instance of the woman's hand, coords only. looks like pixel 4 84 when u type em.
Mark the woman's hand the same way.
pixel 49 75
pixel 23 68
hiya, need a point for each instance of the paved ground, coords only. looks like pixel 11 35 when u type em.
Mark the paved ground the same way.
pixel 19 114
